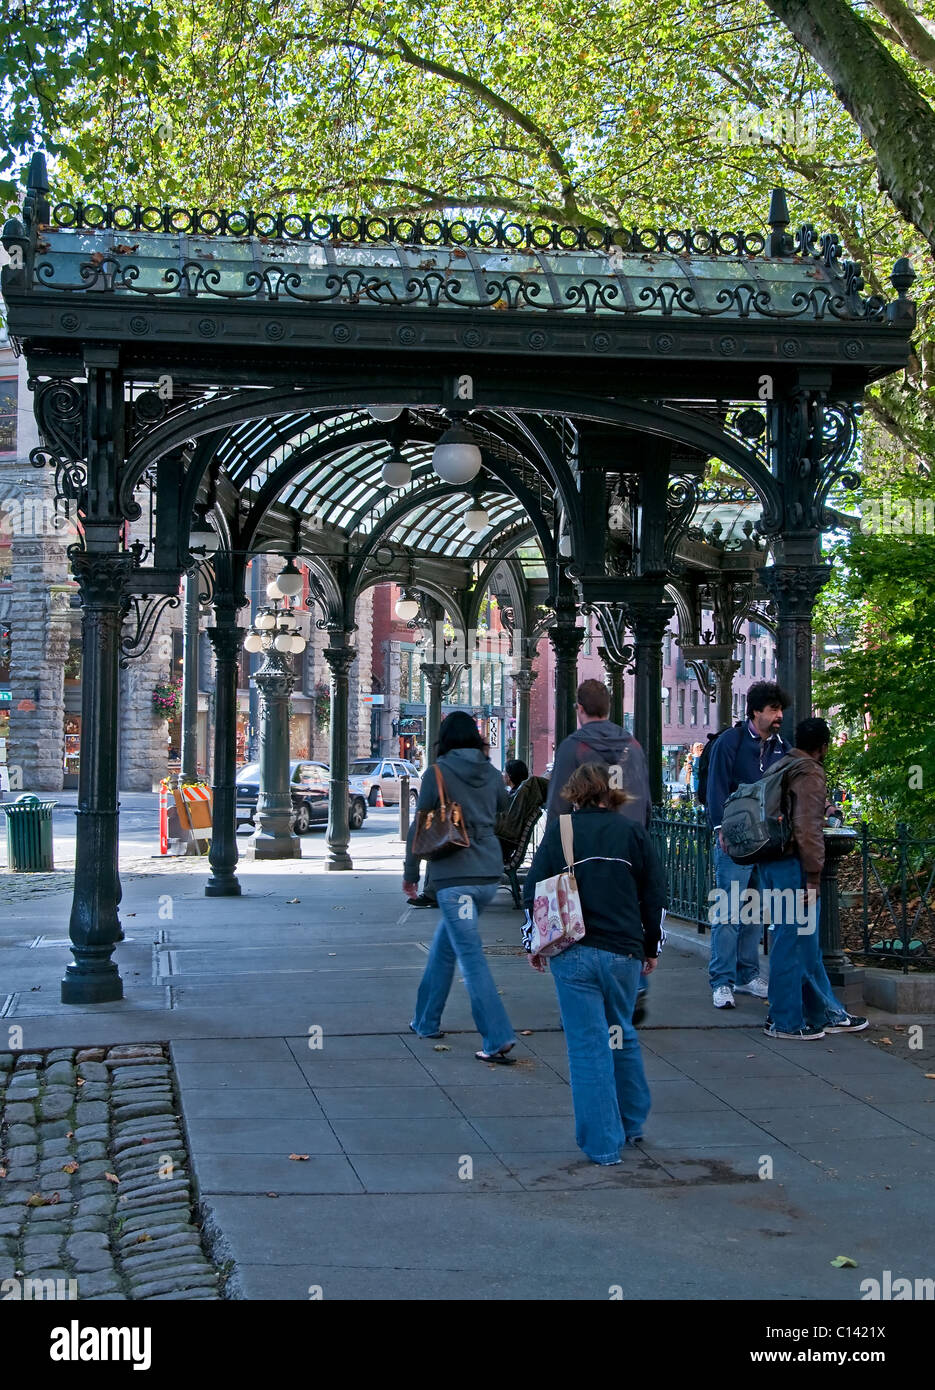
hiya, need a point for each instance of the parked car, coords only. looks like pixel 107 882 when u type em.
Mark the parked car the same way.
pixel 309 782
pixel 385 774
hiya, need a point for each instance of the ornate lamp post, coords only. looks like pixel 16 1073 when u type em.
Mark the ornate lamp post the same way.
pixel 275 633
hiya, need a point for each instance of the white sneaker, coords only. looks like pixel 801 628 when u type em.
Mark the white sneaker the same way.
pixel 723 997
pixel 758 988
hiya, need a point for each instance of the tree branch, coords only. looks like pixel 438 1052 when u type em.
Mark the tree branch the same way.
pixel 909 30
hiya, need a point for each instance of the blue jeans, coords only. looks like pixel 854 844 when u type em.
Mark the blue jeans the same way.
pixel 735 956
pixel 800 993
pixel 596 992
pixel 457 937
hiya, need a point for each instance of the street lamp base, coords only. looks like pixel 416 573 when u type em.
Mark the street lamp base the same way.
pixel 339 862
pixel 847 982
pixel 272 848
pixel 102 985
pixel 223 887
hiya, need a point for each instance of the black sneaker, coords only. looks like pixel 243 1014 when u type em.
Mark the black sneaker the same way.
pixel 800 1034
pixel 852 1024
pixel 639 1009
pixel 424 900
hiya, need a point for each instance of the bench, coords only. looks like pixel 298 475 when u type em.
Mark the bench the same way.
pixel 513 864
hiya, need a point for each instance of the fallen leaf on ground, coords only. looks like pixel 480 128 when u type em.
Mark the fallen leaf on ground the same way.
pixel 36 1200
pixel 272 1194
pixel 299 1158
pixel 112 1177
pixel 886 1042
pixel 71 1167
pixel 80 1081
pixel 930 1075
pixel 69 1134
pixel 525 1032
pixel 441 1047
pixel 55 1199
pixel 2 1172
pixel 293 900
pixel 844 1262
pixel 142 1238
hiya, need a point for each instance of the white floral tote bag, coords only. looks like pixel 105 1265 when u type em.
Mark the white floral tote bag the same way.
pixel 557 920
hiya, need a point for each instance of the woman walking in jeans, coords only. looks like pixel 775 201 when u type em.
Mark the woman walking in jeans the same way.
pixel 622 894
pixel 464 882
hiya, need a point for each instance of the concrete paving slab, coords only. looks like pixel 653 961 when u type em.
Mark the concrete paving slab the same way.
pixel 683 1095
pixel 886 1088
pixel 915 1115
pixel 265 1173
pixel 696 1128
pixel 716 1163
pixel 241 1075
pixel 375 1285
pixel 893 1160
pixel 411 1135
pixel 528 1133
pixel 541 1098
pixel 321 1070
pixel 567 1171
pixel 385 1102
pixel 250 1136
pixel 234 1103
pixel 766 1093
pixel 811 1124
pixel 432 1174
pixel 231 1050
pixel 349 1049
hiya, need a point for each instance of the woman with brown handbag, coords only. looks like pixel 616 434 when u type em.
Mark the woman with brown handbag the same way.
pixel 465 881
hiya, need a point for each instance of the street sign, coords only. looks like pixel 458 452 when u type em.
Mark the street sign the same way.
pixel 372 699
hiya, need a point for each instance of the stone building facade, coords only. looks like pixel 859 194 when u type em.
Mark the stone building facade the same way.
pixel 40 637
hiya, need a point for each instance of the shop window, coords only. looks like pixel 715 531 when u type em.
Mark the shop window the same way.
pixel 681 705
pixel 694 707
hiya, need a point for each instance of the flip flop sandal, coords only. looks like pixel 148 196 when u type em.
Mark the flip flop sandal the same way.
pixel 500 1057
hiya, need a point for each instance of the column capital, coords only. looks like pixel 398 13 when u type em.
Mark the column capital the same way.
pixel 523 679
pixel 795 587
pixel 649 618
pixel 566 641
pixel 437 673
pixel 102 577
pixel 340 659
pixel 226 641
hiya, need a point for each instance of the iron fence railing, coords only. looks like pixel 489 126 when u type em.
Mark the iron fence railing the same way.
pixel 886 887
pixel 682 839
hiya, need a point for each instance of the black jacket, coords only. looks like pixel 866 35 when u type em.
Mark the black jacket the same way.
pixel 623 903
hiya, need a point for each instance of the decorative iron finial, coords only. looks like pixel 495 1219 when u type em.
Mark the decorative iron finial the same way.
pixel 778 221
pixel 36 203
pixel 903 309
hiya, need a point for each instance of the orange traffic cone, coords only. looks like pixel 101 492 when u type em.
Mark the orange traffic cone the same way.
pixel 379 801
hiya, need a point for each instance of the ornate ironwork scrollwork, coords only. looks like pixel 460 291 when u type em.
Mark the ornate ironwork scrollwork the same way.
pixel 144 615
pixel 60 407
pixel 681 501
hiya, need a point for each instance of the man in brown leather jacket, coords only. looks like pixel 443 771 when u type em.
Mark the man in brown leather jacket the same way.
pixel 802 1004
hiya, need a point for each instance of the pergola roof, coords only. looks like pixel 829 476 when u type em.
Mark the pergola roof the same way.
pixel 603 281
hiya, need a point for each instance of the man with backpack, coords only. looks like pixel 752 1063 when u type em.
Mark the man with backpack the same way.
pixel 741 754
pixel 802 1004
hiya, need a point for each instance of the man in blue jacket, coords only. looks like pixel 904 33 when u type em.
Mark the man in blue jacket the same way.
pixel 742 754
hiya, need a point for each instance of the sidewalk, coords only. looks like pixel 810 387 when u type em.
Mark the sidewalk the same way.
pixel 431 1175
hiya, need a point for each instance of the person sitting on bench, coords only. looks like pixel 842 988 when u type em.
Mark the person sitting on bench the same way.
pixel 527 794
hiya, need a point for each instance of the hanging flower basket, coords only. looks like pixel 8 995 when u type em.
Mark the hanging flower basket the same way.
pixel 322 706
pixel 167 698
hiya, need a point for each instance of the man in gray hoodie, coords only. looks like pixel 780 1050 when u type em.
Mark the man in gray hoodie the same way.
pixel 598 740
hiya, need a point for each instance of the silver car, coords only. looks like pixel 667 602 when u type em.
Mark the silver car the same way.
pixel 385 774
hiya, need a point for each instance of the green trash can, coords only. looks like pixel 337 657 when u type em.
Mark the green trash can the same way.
pixel 29 834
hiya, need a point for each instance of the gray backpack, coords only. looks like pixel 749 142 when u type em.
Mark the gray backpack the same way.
pixel 756 824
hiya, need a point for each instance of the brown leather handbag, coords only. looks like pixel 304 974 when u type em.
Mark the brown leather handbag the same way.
pixel 441 831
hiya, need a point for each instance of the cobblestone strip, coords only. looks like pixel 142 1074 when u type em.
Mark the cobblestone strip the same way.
pixel 95 1199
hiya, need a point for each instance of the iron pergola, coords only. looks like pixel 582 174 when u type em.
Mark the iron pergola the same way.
pixel 193 363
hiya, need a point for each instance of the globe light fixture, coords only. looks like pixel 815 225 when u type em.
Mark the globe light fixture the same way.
pixel 253 642
pixel 397 471
pixel 298 643
pixel 406 608
pixel 204 539
pixel 283 642
pixel 456 458
pixel 385 413
pixel 476 518
pixel 265 621
pixel 290 579
pixel 273 590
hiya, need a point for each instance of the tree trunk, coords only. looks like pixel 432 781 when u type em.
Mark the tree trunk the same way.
pixel 893 115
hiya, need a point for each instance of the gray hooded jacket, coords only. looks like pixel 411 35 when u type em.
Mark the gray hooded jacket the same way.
pixel 600 741
pixel 478 788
